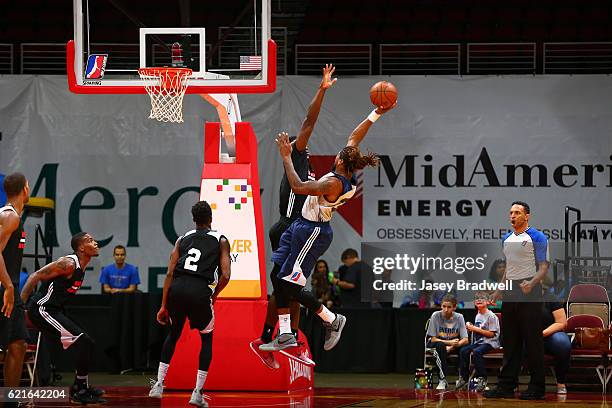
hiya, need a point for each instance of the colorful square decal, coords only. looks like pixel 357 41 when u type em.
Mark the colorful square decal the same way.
pixel 243 188
pixel 236 188
pixel 237 207
pixel 219 187
pixel 231 200
pixel 225 182
pixel 249 194
pixel 213 206
pixel 243 200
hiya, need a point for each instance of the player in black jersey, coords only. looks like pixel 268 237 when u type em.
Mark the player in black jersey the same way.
pixel 290 206
pixel 13 330
pixel 198 270
pixel 60 282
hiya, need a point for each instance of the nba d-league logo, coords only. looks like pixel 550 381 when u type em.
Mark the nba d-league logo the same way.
pixel 2 193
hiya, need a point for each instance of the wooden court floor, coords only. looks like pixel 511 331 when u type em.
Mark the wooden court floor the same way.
pixel 335 398
pixel 331 391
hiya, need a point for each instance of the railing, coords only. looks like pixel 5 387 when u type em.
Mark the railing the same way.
pixel 6 59
pixel 350 59
pixel 420 59
pixel 240 41
pixel 43 58
pixel 501 58
pixel 577 58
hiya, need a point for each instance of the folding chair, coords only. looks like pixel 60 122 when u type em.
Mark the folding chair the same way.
pixel 31 356
pixel 590 358
pixel 428 353
pixel 589 299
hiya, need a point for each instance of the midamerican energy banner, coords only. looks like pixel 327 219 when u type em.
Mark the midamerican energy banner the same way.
pixel 455 153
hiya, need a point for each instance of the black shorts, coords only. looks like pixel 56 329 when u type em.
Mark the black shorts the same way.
pixel 277 230
pixel 55 325
pixel 190 298
pixel 13 328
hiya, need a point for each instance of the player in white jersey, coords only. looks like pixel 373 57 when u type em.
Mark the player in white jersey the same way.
pixel 309 236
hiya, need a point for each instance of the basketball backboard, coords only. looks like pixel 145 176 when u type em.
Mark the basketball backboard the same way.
pixel 226 44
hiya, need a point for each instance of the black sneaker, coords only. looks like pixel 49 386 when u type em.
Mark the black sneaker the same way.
pixel 497 393
pixel 98 392
pixel 532 395
pixel 85 397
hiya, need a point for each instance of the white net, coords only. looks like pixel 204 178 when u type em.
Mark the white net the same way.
pixel 167 87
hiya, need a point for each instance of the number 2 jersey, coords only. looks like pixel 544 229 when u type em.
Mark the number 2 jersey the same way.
pixel 199 255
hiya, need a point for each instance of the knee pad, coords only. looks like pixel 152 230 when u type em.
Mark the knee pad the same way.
pixel 309 301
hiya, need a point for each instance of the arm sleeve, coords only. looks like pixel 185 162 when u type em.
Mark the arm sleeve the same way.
pixel 135 276
pixel 540 247
pixel 352 276
pixel 502 243
pixel 493 323
pixel 432 330
pixel 104 277
pixel 462 329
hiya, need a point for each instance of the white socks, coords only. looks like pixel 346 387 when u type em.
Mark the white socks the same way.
pixel 284 323
pixel 201 379
pixel 161 372
pixel 326 315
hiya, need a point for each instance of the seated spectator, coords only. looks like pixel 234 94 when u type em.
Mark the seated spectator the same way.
pixel 496 274
pixel 485 337
pixel 446 334
pixel 383 298
pixel 23 277
pixel 497 271
pixel 351 272
pixel 321 287
pixel 119 277
pixel 556 341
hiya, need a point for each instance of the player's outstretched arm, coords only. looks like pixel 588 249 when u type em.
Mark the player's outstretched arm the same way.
pixel 9 222
pixel 225 266
pixel 162 314
pixel 331 186
pixel 362 129
pixel 64 266
pixel 315 107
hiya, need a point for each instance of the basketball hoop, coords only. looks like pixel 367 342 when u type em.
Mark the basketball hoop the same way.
pixel 166 87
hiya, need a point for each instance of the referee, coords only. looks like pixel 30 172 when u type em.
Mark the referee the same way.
pixel 526 252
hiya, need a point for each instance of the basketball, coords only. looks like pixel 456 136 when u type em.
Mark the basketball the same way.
pixel 383 94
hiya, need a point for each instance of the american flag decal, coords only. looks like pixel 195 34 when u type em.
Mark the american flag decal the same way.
pixel 250 62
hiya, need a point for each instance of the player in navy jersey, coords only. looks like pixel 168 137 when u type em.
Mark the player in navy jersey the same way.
pixel 198 270
pixel 13 330
pixel 61 280
pixel 290 208
pixel 309 236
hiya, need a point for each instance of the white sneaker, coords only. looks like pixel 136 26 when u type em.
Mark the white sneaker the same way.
pixel 442 385
pixel 197 399
pixel 157 389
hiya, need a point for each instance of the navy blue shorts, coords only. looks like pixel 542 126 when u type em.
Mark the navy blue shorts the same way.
pixel 300 247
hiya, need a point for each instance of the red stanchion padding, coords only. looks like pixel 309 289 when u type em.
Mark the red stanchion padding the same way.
pixel 234 366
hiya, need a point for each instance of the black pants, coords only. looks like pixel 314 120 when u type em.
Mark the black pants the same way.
pixel 441 356
pixel 522 324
